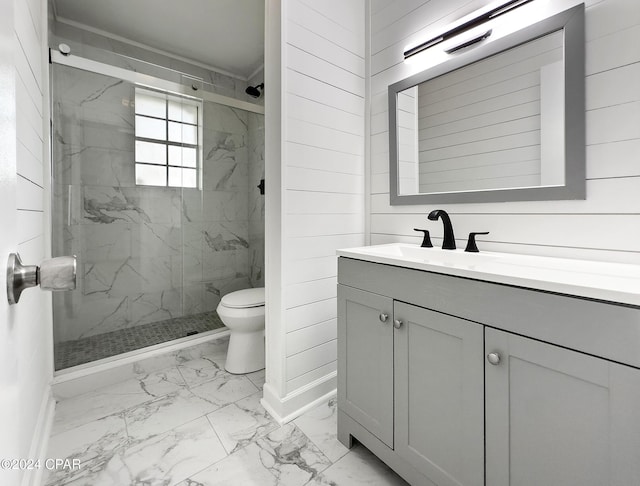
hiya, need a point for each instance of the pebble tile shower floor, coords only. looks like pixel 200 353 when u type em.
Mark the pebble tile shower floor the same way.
pixel 194 424
pixel 92 348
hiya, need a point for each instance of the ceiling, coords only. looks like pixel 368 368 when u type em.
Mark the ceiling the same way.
pixel 225 34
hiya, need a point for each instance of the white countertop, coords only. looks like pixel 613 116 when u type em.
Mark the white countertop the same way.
pixel 615 282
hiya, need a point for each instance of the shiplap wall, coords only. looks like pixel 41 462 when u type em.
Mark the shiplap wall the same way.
pixel 493 108
pixel 606 226
pixel 323 107
pixel 33 312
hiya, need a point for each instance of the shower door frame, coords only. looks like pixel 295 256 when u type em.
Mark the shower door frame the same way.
pixel 147 81
pixel 153 82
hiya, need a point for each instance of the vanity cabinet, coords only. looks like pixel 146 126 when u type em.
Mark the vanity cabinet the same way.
pixel 452 388
pixel 556 416
pixel 366 346
pixel 439 411
pixel 414 379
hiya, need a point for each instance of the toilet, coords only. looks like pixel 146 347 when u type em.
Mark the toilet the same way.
pixel 242 312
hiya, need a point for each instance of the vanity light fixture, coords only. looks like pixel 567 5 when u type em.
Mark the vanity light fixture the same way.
pixel 465 26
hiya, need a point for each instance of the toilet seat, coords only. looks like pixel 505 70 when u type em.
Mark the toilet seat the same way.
pixel 243 299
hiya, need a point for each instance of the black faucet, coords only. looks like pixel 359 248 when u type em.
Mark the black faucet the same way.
pixel 449 242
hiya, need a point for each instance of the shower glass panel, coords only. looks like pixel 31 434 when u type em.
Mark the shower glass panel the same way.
pixel 155 194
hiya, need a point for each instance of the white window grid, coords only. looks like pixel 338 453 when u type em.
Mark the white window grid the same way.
pixel 165 141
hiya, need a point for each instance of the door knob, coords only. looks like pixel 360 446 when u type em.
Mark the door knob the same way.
pixel 53 274
pixel 397 323
pixel 383 317
pixel 493 358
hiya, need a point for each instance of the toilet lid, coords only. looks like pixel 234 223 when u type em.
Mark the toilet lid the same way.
pixel 241 299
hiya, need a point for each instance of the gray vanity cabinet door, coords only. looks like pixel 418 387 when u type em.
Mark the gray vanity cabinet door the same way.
pixel 365 360
pixel 559 417
pixel 439 391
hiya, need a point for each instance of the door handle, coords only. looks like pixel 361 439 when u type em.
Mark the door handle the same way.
pixel 54 274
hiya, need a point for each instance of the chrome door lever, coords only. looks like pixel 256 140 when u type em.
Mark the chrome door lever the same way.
pixel 55 274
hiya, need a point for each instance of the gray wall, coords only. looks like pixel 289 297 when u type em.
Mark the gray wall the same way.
pixel 604 227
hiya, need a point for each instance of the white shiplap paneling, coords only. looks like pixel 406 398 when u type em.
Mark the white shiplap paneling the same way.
pixel 303 293
pixel 31 317
pixel 306 337
pixel 323 173
pixel 311 376
pixel 310 269
pixel 602 227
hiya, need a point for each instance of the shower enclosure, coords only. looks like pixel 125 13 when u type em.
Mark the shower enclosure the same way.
pixel 155 191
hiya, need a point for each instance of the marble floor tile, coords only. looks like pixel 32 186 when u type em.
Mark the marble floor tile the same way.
pixel 358 468
pixel 85 476
pixel 201 370
pixel 294 456
pixel 165 459
pixel 95 441
pixel 165 413
pixel 257 378
pixel 321 426
pixel 243 468
pixel 241 423
pixel 72 412
pixel 175 455
pixel 225 389
pixel 285 457
pixel 184 438
pixel 162 382
pixel 216 350
pixel 194 424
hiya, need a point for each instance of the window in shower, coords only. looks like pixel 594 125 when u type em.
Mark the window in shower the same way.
pixel 167 139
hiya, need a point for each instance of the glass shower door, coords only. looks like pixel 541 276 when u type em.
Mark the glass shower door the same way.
pixel 126 226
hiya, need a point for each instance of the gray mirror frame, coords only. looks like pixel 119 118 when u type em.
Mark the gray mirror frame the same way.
pixel 571 21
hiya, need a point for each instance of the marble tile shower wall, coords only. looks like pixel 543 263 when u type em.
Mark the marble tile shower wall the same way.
pixel 256 200
pixel 147 253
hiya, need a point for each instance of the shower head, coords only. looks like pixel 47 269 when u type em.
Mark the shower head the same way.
pixel 255 91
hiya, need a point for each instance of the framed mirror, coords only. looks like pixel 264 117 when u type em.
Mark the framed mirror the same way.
pixel 497 120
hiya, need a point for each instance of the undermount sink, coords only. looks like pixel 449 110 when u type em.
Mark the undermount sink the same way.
pixel 615 282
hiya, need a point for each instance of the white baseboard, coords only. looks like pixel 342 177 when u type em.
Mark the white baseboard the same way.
pixel 40 440
pixel 294 404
